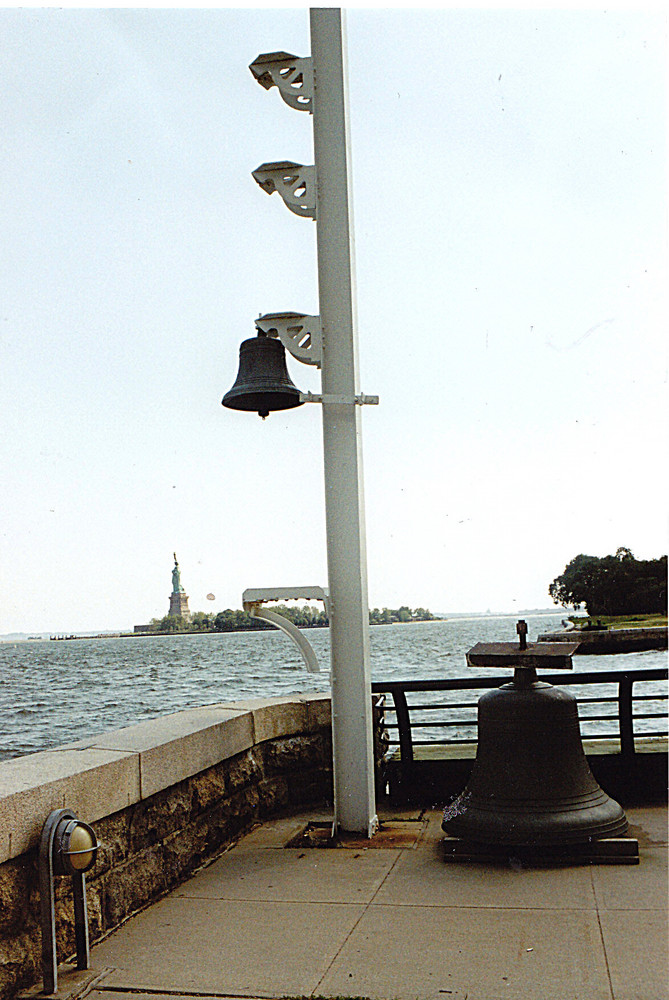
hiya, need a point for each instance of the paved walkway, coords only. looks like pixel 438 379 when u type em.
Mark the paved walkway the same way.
pixel 398 922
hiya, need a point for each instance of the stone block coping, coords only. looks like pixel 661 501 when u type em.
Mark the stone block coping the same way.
pixel 101 775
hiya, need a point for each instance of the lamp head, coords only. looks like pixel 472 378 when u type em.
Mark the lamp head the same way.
pixel 75 847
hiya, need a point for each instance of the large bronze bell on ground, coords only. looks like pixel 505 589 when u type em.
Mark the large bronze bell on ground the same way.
pixel 531 783
pixel 263 383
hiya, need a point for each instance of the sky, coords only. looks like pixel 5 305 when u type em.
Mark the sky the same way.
pixel 510 218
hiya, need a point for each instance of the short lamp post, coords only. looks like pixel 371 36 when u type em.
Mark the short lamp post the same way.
pixel 67 847
pixel 329 341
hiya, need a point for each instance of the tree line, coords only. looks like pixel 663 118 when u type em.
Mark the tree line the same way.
pixel 303 617
pixel 613 585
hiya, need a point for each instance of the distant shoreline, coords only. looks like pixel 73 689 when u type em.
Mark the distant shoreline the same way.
pixel 453 616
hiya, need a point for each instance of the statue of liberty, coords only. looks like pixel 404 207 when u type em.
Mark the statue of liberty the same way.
pixel 176 578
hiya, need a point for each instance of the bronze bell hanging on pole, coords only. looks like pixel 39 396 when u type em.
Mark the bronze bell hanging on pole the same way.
pixel 263 383
pixel 531 784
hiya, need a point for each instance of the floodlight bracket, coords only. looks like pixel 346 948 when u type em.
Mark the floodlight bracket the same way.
pixel 295 183
pixel 291 75
pixel 300 334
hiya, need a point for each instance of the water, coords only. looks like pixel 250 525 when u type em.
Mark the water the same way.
pixel 52 693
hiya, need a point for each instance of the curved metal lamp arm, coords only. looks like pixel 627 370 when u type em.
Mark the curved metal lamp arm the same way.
pixel 253 600
pixel 292 631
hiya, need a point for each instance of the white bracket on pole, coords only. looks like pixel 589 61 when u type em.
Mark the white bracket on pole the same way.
pixel 253 600
pixel 293 76
pixel 295 183
pixel 299 334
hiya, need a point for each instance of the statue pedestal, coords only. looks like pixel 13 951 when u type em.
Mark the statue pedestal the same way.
pixel 179 606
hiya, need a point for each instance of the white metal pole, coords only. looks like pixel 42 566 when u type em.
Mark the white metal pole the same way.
pixel 352 728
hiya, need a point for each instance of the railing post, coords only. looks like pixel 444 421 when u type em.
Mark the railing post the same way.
pixel 403 725
pixel 625 718
pixel 404 736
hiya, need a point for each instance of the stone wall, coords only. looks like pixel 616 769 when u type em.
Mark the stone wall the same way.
pixel 163 797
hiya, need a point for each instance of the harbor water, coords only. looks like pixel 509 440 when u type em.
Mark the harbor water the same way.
pixel 53 693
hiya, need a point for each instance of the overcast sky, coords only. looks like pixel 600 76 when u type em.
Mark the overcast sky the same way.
pixel 510 218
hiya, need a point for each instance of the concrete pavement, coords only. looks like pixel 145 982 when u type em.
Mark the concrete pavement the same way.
pixel 392 920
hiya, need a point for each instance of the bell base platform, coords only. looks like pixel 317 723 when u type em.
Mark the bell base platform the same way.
pixel 606 851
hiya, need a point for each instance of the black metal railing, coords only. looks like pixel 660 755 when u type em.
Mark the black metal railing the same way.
pixel 431 721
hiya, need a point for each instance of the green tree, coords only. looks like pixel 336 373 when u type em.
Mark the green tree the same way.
pixel 172 623
pixel 224 621
pixel 200 621
pixel 422 615
pixel 302 616
pixel 613 585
